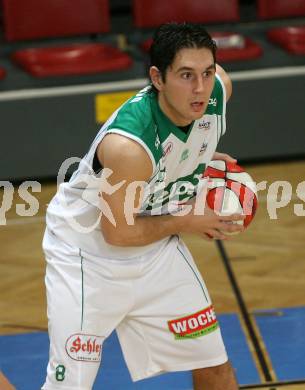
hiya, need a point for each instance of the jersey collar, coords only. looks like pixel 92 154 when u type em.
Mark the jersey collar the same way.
pixel 165 125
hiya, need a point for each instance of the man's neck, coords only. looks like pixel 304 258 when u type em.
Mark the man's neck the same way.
pixel 179 122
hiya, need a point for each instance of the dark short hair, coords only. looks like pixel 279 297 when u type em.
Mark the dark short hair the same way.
pixel 171 37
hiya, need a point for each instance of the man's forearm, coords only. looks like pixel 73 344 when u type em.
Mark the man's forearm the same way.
pixel 147 230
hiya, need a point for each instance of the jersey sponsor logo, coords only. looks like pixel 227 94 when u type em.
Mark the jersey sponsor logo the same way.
pixel 185 154
pixel 158 193
pixel 205 125
pixel 157 142
pixel 195 325
pixel 178 191
pixel 167 148
pixel 203 148
pixel 213 102
pixel 84 347
pixel 160 174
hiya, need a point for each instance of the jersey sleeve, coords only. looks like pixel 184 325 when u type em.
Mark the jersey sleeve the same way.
pixel 134 121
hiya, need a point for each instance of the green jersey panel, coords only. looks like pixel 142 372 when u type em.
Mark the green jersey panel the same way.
pixel 178 158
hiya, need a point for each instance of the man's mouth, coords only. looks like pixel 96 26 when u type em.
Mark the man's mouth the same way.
pixel 197 106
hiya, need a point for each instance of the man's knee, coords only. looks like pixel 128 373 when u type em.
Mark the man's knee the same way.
pixel 222 369
pixel 223 373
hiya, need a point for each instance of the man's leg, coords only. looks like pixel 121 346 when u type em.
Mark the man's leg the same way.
pixel 215 378
pixel 85 303
pixel 172 325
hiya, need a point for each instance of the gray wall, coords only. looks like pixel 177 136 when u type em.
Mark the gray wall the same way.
pixel 265 119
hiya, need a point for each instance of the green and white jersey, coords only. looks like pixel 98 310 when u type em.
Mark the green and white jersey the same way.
pixel 178 158
pixel 178 161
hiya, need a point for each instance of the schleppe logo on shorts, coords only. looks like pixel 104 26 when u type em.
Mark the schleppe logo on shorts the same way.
pixel 195 325
pixel 84 347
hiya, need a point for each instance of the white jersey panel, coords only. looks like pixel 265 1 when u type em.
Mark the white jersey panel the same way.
pixel 178 159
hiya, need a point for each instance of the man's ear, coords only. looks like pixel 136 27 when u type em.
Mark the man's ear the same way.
pixel 156 77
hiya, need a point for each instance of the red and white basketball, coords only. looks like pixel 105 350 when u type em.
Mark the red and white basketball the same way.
pixel 231 190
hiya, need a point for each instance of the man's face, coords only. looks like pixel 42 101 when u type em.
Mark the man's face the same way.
pixel 184 95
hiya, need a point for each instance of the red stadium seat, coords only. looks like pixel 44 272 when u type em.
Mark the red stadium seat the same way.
pixel 271 9
pixel 292 39
pixel 2 73
pixel 56 61
pixel 149 14
pixel 153 13
pixel 36 19
pixel 235 47
pixel 229 52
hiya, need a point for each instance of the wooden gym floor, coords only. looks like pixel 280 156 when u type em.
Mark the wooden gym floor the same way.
pixel 261 269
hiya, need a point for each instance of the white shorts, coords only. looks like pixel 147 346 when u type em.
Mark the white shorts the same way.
pixel 159 306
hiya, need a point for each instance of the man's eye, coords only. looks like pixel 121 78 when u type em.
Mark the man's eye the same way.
pixel 186 75
pixel 208 73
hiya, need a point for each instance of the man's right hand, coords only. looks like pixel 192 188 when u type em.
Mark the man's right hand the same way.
pixel 212 226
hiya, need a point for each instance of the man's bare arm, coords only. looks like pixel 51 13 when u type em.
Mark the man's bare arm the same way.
pixel 130 162
pixel 225 79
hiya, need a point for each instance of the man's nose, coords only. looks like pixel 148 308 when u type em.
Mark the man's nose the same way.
pixel 199 84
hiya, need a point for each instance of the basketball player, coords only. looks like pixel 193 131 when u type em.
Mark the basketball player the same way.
pixel 115 258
